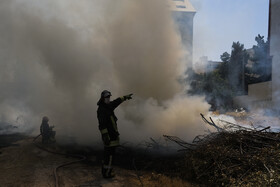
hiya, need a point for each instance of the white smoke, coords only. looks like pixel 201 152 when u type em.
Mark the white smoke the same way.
pixel 56 57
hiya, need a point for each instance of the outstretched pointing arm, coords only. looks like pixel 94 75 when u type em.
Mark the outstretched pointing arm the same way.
pixel 119 100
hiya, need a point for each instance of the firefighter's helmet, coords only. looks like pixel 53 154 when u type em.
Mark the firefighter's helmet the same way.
pixel 105 93
pixel 45 119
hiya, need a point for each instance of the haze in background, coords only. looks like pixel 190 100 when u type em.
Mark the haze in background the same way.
pixel 56 57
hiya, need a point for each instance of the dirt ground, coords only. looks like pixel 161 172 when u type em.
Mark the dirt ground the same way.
pixel 24 164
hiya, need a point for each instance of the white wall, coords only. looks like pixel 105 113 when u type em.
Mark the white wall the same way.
pixel 259 96
pixel 275 51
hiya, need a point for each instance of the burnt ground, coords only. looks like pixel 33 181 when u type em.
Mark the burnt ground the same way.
pixel 24 164
pixel 10 139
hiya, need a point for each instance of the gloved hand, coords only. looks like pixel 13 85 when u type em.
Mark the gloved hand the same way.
pixel 106 138
pixel 127 97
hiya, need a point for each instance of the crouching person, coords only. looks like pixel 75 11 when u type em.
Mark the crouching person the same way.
pixel 48 135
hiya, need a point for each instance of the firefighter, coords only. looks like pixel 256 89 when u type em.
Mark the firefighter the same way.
pixel 47 131
pixel 109 129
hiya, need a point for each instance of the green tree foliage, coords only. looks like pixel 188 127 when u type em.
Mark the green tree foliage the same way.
pixel 225 57
pixel 214 85
pixel 223 67
pixel 220 85
pixel 229 79
pixel 237 63
pixel 262 65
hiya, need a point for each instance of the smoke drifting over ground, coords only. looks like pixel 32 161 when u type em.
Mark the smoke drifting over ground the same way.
pixel 57 56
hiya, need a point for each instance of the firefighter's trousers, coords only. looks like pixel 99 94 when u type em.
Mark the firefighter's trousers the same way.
pixel 108 161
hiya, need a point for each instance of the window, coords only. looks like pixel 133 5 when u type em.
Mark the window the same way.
pixel 180 6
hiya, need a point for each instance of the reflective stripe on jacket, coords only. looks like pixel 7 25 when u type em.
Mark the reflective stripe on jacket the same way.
pixel 108 121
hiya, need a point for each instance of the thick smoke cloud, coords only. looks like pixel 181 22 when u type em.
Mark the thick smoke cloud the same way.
pixel 57 56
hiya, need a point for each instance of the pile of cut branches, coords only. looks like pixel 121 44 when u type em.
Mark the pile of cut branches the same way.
pixel 235 156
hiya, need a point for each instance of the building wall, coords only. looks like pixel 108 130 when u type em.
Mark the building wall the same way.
pixel 259 96
pixel 267 94
pixel 260 91
pixel 275 51
pixel 184 21
pixel 183 13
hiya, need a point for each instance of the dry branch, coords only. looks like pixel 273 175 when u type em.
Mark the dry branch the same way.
pixel 235 155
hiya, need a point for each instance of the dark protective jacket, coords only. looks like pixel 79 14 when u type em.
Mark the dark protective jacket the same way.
pixel 45 128
pixel 108 121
